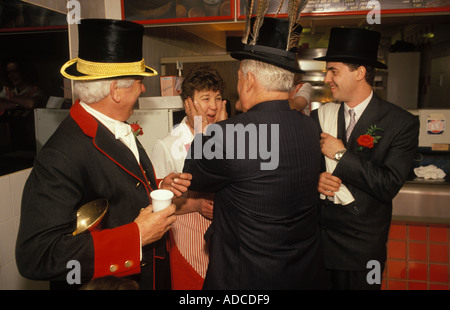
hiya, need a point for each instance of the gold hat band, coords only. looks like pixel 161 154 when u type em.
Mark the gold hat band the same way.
pixel 101 70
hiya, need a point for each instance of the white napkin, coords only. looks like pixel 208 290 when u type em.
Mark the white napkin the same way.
pixel 329 112
pixel 429 172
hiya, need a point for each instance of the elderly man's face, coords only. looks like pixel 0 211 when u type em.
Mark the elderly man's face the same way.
pixel 129 97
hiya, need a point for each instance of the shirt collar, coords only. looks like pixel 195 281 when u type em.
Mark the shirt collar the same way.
pixel 183 131
pixel 359 109
pixel 118 128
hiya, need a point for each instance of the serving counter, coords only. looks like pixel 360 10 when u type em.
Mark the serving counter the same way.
pixel 423 201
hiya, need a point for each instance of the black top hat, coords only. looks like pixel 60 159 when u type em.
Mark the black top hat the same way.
pixel 353 45
pixel 271 43
pixel 107 48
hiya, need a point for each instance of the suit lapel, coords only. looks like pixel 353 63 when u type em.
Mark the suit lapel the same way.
pixel 106 143
pixel 341 125
pixel 369 117
pixel 116 150
pixel 147 165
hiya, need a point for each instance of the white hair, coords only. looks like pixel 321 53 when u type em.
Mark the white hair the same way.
pixel 271 77
pixel 96 90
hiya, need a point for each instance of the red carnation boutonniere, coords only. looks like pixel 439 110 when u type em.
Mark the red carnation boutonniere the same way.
pixel 370 138
pixel 137 129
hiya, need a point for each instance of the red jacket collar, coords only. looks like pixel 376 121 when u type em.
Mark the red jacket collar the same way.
pixel 89 126
pixel 85 120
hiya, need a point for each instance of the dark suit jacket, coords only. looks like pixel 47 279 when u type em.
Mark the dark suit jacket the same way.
pixel 357 233
pixel 81 162
pixel 264 233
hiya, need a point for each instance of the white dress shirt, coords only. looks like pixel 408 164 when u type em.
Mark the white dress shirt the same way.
pixel 359 109
pixel 121 130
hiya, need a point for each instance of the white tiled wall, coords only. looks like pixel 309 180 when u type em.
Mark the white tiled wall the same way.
pixel 11 187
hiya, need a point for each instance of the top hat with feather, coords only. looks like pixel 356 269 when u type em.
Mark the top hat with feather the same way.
pixel 107 48
pixel 272 40
pixel 353 45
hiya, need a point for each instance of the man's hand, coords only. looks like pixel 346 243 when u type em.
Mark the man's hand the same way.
pixel 330 145
pixel 328 184
pixel 178 183
pixel 205 207
pixel 196 202
pixel 152 226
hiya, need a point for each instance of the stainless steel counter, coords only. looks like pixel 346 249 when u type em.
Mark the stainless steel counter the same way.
pixel 423 201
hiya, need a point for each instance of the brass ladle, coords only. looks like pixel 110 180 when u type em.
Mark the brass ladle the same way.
pixel 90 215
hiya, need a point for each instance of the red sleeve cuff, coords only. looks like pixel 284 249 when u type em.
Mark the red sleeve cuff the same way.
pixel 158 182
pixel 117 251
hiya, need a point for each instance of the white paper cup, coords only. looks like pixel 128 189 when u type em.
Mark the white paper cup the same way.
pixel 161 199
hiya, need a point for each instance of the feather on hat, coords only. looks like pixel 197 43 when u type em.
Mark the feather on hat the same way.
pixel 272 40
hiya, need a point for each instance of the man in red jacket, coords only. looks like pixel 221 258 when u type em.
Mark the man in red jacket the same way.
pixel 94 154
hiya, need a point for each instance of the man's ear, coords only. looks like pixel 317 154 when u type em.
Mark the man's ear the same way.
pixel 250 82
pixel 361 73
pixel 114 91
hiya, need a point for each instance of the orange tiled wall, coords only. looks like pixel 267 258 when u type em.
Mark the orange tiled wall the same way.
pixel 418 257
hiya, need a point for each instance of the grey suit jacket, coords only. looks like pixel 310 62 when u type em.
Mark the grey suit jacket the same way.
pixel 356 233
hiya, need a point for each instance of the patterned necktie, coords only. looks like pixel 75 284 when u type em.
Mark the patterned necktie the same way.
pixel 352 123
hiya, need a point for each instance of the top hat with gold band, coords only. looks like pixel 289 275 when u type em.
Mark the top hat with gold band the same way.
pixel 271 45
pixel 107 49
pixel 353 45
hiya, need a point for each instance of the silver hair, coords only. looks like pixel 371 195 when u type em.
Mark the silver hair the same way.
pixel 271 77
pixel 96 90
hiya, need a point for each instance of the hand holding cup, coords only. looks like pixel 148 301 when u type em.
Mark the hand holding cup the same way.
pixel 161 199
